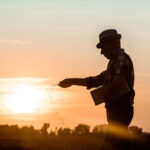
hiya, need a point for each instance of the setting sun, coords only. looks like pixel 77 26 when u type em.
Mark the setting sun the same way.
pixel 25 99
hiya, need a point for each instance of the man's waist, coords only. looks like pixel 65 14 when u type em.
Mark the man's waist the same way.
pixel 125 100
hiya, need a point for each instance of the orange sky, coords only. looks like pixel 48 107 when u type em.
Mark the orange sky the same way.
pixel 53 40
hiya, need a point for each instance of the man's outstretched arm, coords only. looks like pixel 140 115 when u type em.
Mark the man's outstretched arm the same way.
pixel 89 82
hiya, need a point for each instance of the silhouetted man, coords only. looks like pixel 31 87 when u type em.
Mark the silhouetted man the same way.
pixel 119 110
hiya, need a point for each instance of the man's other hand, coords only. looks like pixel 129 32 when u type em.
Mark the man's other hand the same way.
pixel 65 83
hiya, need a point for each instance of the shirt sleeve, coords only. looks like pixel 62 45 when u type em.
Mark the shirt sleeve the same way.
pixel 122 66
pixel 95 81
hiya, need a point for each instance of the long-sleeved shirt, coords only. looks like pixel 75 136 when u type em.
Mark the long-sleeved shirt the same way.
pixel 121 64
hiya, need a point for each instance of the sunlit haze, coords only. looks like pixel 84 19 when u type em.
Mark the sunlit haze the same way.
pixel 25 99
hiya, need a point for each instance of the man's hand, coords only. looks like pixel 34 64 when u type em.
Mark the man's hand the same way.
pixel 65 83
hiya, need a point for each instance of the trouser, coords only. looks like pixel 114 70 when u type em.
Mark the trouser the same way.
pixel 117 137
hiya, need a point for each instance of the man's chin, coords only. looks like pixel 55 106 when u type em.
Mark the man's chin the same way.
pixel 107 57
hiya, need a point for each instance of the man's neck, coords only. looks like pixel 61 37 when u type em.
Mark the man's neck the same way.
pixel 115 52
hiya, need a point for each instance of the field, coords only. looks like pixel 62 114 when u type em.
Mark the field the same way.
pixel 64 142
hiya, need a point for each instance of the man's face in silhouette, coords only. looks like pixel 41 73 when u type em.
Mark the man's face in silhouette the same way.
pixel 107 49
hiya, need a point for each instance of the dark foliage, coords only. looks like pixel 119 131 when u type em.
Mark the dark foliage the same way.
pixel 28 138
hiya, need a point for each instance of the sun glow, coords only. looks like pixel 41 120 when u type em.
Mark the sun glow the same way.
pixel 25 99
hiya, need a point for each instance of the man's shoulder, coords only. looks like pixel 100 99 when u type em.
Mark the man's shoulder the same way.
pixel 122 56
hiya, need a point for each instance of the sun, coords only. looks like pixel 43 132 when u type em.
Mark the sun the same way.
pixel 25 99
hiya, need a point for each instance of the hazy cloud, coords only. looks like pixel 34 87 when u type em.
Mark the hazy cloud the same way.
pixel 15 42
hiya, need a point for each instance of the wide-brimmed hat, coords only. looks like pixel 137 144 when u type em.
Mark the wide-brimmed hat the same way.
pixel 107 35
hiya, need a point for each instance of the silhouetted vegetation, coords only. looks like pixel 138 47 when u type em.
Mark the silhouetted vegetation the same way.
pixel 81 137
